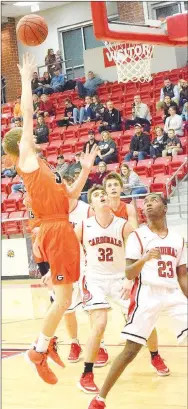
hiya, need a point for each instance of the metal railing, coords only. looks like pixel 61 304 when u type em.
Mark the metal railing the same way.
pixel 63 62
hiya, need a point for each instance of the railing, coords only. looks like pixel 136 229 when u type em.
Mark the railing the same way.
pixel 62 62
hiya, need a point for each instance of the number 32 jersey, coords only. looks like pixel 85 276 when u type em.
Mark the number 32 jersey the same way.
pixel 157 272
pixel 105 249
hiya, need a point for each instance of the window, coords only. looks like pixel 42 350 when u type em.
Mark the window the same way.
pixel 89 38
pixel 163 9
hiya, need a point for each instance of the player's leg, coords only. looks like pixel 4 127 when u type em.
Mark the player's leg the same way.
pixel 99 320
pixel 72 325
pixel 177 308
pixel 44 268
pixel 156 360
pixel 102 356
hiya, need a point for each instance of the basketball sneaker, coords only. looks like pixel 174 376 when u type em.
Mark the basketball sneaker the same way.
pixel 87 384
pixel 39 360
pixel 96 404
pixel 158 363
pixel 53 354
pixel 75 351
pixel 102 358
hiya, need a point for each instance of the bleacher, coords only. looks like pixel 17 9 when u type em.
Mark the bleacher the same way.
pixel 154 173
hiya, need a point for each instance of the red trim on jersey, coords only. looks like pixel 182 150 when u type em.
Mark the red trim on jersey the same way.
pixel 106 226
pixel 82 232
pixel 133 297
pixel 123 230
pixel 74 208
pixel 141 246
pixel 88 210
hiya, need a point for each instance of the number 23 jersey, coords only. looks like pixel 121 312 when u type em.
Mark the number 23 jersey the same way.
pixel 105 249
pixel 157 272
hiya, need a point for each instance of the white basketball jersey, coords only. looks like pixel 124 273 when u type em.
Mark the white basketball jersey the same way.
pixel 104 247
pixel 157 272
pixel 79 213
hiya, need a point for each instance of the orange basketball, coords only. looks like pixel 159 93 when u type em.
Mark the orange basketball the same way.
pixel 32 30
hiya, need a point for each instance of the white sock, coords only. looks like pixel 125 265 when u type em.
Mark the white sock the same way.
pixel 75 341
pixel 100 399
pixel 51 294
pixel 42 343
pixel 102 344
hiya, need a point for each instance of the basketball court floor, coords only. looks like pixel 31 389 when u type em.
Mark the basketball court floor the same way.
pixel 23 306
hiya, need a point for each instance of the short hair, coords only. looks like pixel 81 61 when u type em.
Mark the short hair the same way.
pixel 68 178
pixel 92 190
pixel 110 176
pixel 10 141
pixel 163 200
pixel 171 130
pixel 68 100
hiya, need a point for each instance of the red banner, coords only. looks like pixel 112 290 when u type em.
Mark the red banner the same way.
pixel 126 53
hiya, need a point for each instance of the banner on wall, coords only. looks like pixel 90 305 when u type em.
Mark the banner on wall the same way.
pixel 14 257
pixel 125 52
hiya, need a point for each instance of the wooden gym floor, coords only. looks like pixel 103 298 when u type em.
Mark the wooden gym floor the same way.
pixel 24 305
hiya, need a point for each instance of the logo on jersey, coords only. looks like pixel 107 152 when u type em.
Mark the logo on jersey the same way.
pixel 107 240
pixel 168 251
pixel 60 277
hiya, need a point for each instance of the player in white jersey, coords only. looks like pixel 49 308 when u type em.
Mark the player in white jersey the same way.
pixel 155 259
pixel 102 237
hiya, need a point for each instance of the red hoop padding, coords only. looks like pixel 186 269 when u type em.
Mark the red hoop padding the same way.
pixel 176 25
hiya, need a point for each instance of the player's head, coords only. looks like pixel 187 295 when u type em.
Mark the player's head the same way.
pixel 97 198
pixel 155 207
pixel 113 185
pixel 68 180
pixel 11 142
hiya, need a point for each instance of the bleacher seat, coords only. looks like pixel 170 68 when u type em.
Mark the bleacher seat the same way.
pixel 141 170
pixel 6 185
pixel 158 169
pixel 158 188
pixel 113 167
pixel 173 167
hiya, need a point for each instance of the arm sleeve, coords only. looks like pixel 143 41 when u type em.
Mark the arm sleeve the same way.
pixel 133 179
pixel 133 247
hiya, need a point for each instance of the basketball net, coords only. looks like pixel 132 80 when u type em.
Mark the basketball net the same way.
pixel 133 61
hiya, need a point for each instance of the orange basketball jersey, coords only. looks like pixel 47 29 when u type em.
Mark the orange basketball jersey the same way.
pixel 121 210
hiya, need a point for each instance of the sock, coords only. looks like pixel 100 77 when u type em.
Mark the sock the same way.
pixel 42 343
pixel 102 344
pixel 100 399
pixel 153 354
pixel 75 341
pixel 51 294
pixel 88 367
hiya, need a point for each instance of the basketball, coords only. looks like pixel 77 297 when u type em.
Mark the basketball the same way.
pixel 32 30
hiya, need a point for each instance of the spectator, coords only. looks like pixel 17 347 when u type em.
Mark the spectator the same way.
pixel 174 121
pixel 140 114
pixel 90 86
pixel 97 107
pixel 51 62
pixel 101 174
pixel 45 106
pixel 132 185
pixel 36 86
pixel 46 81
pixel 91 142
pixel 166 105
pixel 18 187
pixel 183 93
pixel 71 112
pixel 56 84
pixel 86 187
pixel 36 103
pixel 75 165
pixel 17 110
pixel 62 166
pixel 111 118
pixel 86 112
pixel 17 123
pixel 139 146
pixel 159 143
pixel 173 146
pixel 171 90
pixel 184 113
pixel 107 149
pixel 8 172
pixel 41 131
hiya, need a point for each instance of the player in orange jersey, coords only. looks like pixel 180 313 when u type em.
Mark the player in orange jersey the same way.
pixel 57 241
pixel 113 185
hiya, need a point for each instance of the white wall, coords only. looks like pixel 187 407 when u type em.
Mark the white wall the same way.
pixel 164 58
pixel 60 17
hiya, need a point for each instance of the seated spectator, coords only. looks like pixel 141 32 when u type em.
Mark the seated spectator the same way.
pixel 140 114
pixel 173 146
pixel 36 85
pixel 174 121
pixel 86 187
pixel 165 105
pixel 56 84
pixel 171 90
pixel 159 143
pixel 75 165
pixel 86 112
pixel 132 185
pixel 183 93
pixel 71 114
pixel 51 62
pixel 98 177
pixel 18 187
pixel 90 86
pixel 62 166
pixel 41 131
pixel 139 146
pixel 8 172
pixel 184 113
pixel 107 149
pixel 45 106
pixel 46 81
pixel 111 118
pixel 17 110
pixel 36 103
pixel 17 123
pixel 91 142
pixel 97 107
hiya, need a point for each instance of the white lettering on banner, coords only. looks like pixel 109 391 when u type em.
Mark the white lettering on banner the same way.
pixel 125 53
pixel 14 257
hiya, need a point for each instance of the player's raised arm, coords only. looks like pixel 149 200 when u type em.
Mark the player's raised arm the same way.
pixel 27 159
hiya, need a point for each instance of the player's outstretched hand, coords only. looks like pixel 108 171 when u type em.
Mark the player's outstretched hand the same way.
pixel 153 253
pixel 87 159
pixel 126 289
pixel 28 67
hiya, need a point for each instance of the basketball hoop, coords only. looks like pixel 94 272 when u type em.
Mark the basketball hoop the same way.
pixel 133 61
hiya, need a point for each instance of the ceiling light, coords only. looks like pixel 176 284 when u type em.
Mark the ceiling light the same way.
pixel 24 3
